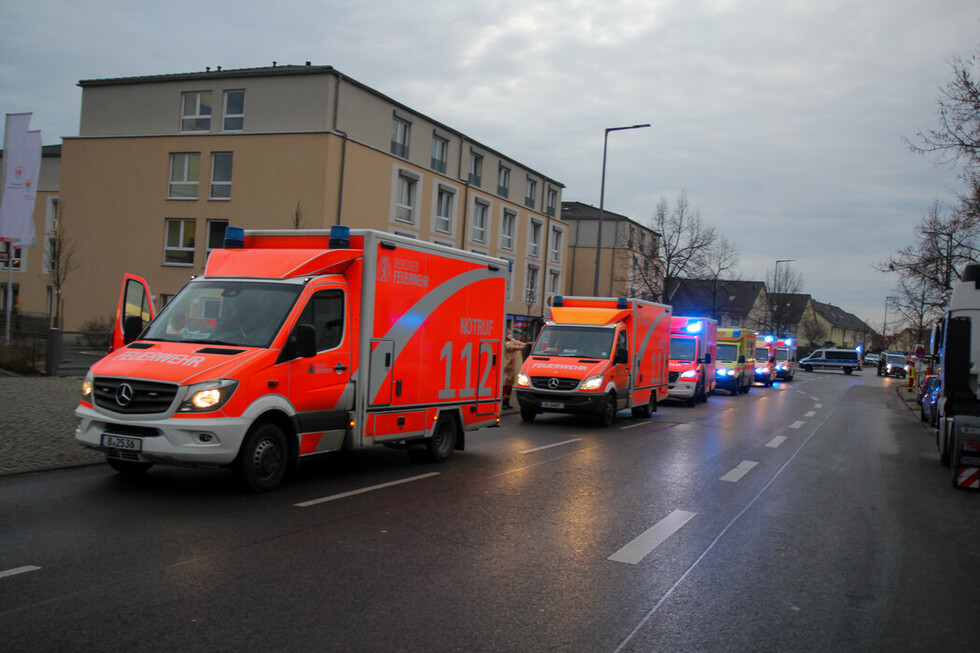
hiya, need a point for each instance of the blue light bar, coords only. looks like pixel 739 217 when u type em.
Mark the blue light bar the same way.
pixel 769 339
pixel 234 238
pixel 557 300
pixel 694 326
pixel 622 303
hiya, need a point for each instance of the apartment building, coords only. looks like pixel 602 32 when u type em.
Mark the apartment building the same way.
pixel 162 164
pixel 628 254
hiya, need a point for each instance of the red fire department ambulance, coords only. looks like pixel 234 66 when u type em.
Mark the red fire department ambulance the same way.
pixel 765 360
pixel 300 342
pixel 693 349
pixel 597 355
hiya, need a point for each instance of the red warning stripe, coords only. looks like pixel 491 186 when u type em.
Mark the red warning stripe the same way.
pixel 968 477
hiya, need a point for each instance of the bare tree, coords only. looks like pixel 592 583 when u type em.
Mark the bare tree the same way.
pixel 62 257
pixel 944 242
pixel 720 264
pixel 812 333
pixel 781 282
pixel 685 241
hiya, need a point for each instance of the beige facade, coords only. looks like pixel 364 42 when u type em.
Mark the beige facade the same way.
pixel 162 164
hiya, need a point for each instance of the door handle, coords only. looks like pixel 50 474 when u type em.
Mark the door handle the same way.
pixel 339 367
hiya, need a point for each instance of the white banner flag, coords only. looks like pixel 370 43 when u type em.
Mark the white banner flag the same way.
pixel 22 166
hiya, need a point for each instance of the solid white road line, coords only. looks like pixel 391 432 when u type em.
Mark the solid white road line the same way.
pixel 653 537
pixel 18 570
pixel 776 441
pixel 797 424
pixel 548 446
pixel 741 470
pixel 344 495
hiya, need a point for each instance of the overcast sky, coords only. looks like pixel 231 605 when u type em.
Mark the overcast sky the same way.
pixel 782 120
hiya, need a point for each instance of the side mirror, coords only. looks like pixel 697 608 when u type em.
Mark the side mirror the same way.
pixel 132 328
pixel 741 360
pixel 707 359
pixel 305 335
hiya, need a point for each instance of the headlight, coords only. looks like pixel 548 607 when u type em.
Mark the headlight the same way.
pixel 592 383
pixel 522 380
pixel 87 388
pixel 690 374
pixel 210 395
pixel 761 370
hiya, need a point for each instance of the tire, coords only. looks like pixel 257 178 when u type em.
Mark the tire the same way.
pixel 607 414
pixel 263 460
pixel 847 370
pixel 645 412
pixel 808 368
pixel 953 466
pixel 528 414
pixel 128 467
pixel 440 446
pixel 942 443
pixel 922 414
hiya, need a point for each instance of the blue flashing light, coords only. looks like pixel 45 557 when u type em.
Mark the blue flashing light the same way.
pixel 339 237
pixel 622 303
pixel 694 326
pixel 557 300
pixel 234 238
pixel 769 339
pixel 789 342
pixel 737 333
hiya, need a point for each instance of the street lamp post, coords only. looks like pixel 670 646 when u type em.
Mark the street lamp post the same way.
pixel 884 326
pixel 775 282
pixel 602 200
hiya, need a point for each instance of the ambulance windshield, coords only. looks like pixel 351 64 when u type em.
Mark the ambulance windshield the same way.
pixel 682 349
pixel 574 341
pixel 221 312
pixel 728 353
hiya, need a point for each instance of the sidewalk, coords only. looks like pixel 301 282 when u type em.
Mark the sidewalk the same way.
pixel 37 424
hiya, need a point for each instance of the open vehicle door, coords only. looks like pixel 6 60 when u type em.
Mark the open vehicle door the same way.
pixel 134 312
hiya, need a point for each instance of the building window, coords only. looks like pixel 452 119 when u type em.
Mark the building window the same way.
pixel 476 169
pixel 503 181
pixel 179 245
pixel 400 132
pixel 196 112
pixel 554 282
pixel 234 114
pixel 481 212
pixel 221 175
pixel 508 229
pixel 534 239
pixel 445 209
pixel 406 191
pixel 531 275
pixel 555 245
pixel 12 257
pixel 552 201
pixel 530 193
pixel 216 234
pixel 440 152
pixel 184 173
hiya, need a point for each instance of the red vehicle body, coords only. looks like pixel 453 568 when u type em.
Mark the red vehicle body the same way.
pixel 765 360
pixel 596 356
pixel 693 350
pixel 300 342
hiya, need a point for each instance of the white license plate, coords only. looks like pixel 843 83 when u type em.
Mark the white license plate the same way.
pixel 552 404
pixel 123 444
pixel 970 461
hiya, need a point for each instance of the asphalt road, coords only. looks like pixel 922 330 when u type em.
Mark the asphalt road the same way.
pixel 810 516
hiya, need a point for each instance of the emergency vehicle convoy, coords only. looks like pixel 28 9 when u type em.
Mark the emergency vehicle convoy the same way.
pixel 300 342
pixel 956 340
pixel 596 356
pixel 765 360
pixel 735 366
pixel 785 359
pixel 693 349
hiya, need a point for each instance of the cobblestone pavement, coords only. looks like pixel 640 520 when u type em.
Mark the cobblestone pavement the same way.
pixel 37 424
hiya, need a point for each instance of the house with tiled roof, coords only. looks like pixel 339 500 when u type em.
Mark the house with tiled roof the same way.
pixel 844 329
pixel 731 303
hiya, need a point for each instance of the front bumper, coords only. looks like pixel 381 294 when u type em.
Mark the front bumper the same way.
pixel 561 402
pixel 204 442
pixel 682 389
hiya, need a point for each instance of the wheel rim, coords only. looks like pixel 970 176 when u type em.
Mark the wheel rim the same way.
pixel 266 459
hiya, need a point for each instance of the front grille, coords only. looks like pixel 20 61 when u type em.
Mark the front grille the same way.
pixel 130 430
pixel 133 396
pixel 542 383
pixel 672 377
